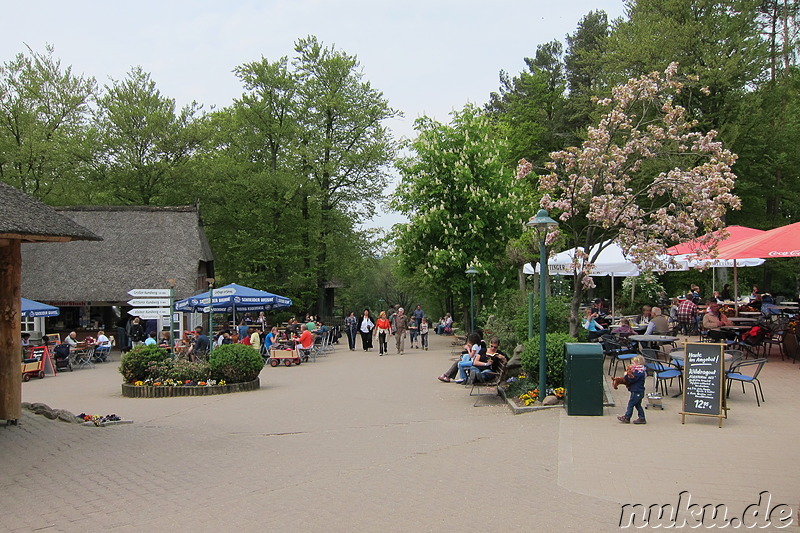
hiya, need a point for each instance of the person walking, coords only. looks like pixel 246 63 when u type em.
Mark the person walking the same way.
pixel 384 329
pixel 418 314
pixel 400 328
pixel 365 327
pixel 634 377
pixel 423 333
pixel 351 329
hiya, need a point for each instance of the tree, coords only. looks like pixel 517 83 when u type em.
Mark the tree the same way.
pixel 584 67
pixel 461 201
pixel 531 106
pixel 344 148
pixel 644 177
pixel 43 119
pixel 717 41
pixel 145 146
pixel 292 166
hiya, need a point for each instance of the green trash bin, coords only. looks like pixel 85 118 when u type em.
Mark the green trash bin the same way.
pixel 584 378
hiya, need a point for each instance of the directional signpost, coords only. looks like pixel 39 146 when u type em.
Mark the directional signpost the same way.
pixel 153 304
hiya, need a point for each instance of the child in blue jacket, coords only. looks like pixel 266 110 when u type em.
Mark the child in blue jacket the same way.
pixel 634 379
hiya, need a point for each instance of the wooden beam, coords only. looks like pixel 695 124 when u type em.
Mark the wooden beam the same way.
pixel 27 237
pixel 10 331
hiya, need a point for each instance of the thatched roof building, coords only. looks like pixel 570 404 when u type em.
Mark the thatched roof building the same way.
pixel 142 247
pixel 22 219
pixel 29 220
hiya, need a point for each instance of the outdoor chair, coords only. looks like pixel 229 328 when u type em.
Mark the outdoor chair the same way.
pixel 738 373
pixel 83 356
pixel 736 356
pixel 663 371
pixel 617 352
pixel 775 340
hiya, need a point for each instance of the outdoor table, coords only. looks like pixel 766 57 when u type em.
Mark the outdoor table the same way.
pixel 795 304
pixel 737 329
pixel 662 339
pixel 634 327
pixel 659 339
pixel 743 320
pixel 750 313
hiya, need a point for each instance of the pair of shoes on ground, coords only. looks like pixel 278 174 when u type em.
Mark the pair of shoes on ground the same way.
pixel 625 420
pixel 444 379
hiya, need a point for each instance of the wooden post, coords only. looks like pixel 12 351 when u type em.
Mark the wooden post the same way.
pixel 10 330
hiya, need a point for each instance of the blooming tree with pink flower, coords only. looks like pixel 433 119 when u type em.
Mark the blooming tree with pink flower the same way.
pixel 644 178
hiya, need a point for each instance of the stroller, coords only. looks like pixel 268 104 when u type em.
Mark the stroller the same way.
pixel 61 356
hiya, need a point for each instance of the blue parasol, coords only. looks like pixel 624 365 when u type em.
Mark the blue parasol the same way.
pixel 231 299
pixel 37 309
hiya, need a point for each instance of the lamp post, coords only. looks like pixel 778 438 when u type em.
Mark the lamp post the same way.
pixel 471 272
pixel 211 311
pixel 542 223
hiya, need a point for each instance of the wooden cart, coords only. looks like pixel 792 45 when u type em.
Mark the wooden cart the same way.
pixel 287 357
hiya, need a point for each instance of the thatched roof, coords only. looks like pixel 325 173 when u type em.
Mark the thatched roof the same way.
pixel 142 248
pixel 25 218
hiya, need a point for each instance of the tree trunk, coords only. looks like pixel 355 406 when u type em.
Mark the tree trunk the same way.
pixel 10 330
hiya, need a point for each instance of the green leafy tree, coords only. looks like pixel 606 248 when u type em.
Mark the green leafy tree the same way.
pixel 583 65
pixel 716 41
pixel 344 146
pixel 463 205
pixel 531 106
pixel 44 114
pixel 145 144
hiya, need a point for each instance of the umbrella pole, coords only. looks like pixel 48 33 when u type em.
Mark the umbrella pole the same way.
pixel 736 287
pixel 613 304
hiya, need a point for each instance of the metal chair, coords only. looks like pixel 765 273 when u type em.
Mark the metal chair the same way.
pixel 662 371
pixel 617 352
pixel 736 374
pixel 83 356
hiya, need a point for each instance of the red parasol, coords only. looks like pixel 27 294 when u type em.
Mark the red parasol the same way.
pixel 775 243
pixel 697 246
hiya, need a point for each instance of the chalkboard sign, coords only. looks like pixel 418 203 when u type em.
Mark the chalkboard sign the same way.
pixel 38 352
pixel 704 380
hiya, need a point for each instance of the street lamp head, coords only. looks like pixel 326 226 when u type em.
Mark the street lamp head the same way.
pixel 542 221
pixel 471 271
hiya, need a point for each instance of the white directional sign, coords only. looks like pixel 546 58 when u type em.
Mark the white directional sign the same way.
pixel 148 313
pixel 149 292
pixel 149 302
pixel 224 292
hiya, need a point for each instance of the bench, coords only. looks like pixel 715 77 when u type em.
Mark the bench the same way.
pixel 493 379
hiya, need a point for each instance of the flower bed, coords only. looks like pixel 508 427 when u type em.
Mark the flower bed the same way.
pixel 132 390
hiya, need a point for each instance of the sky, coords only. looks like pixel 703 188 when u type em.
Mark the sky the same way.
pixel 427 57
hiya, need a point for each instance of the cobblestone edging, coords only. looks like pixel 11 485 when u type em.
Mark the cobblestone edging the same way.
pixel 148 391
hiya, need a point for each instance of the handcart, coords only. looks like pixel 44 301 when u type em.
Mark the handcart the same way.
pixel 34 363
pixel 285 356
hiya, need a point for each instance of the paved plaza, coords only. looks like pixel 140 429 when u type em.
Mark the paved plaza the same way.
pixel 357 442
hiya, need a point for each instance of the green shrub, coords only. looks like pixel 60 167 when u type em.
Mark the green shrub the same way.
pixel 555 344
pixel 235 363
pixel 557 312
pixel 183 370
pixel 134 365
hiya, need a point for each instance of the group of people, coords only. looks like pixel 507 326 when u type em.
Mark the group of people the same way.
pixel 397 324
pixel 477 362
